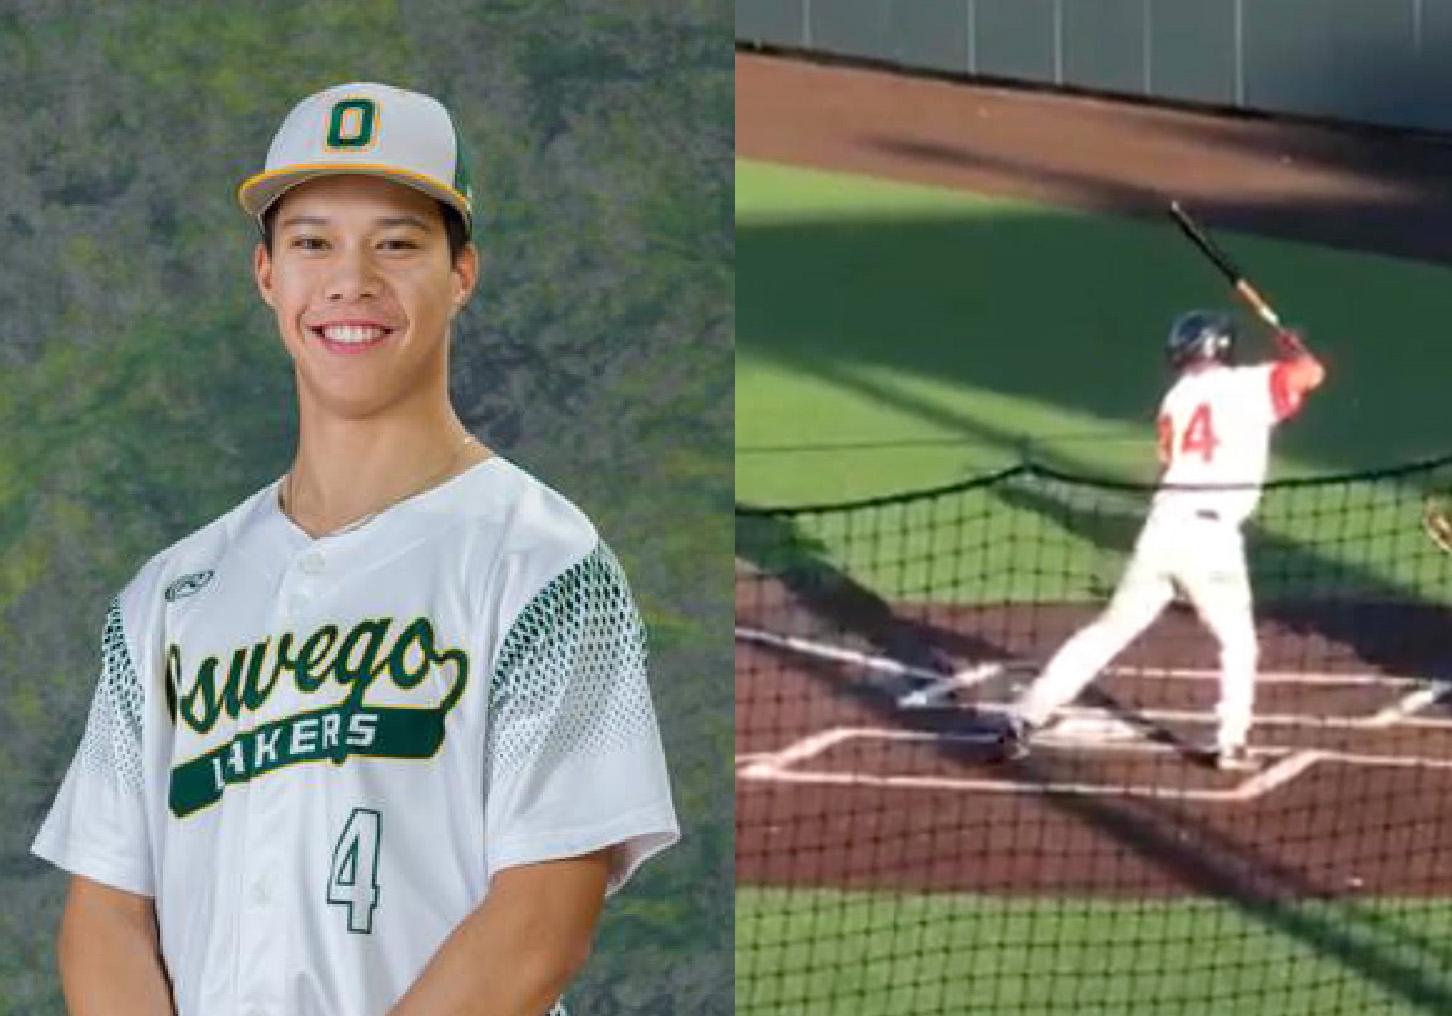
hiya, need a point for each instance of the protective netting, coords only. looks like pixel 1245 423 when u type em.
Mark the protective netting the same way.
pixel 891 861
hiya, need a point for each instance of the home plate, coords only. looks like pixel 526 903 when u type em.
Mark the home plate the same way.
pixel 1092 730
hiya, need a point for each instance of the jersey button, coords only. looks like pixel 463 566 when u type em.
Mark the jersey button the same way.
pixel 259 894
pixel 297 603
pixel 311 564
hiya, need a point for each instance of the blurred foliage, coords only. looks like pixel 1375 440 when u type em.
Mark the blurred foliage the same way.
pixel 143 391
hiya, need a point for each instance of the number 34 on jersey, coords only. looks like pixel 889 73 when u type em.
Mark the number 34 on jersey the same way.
pixel 1196 438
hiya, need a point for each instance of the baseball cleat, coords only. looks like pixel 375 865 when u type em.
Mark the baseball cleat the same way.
pixel 1226 758
pixel 1013 740
pixel 1233 758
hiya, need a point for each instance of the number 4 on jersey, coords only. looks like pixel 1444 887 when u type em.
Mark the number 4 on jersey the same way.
pixel 353 881
pixel 1199 435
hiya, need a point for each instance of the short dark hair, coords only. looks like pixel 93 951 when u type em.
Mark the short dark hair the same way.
pixel 454 229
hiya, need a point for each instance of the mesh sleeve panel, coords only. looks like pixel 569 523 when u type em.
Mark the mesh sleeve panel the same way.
pixel 111 745
pixel 570 677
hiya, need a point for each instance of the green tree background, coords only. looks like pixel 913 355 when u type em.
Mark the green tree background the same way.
pixel 143 390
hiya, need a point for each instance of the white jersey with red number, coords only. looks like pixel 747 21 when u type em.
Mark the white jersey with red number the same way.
pixel 1214 433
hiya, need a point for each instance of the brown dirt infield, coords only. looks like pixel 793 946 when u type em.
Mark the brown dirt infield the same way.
pixel 1118 814
pixel 1362 190
pixel 1349 791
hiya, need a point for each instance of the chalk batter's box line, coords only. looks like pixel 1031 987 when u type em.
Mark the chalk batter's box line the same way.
pixel 748 758
pixel 937 687
pixel 985 669
pixel 779 768
pixel 1399 713
pixel 1396 714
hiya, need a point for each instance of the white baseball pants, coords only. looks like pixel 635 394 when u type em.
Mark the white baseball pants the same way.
pixel 1205 557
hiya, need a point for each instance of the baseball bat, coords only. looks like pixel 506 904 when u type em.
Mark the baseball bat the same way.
pixel 1228 268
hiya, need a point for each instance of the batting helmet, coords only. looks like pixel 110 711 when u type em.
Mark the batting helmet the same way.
pixel 1201 335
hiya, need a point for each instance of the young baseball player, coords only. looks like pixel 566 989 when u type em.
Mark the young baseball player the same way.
pixel 379 739
pixel 1214 433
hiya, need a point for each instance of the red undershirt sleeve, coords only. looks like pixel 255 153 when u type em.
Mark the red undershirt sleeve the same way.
pixel 1285 398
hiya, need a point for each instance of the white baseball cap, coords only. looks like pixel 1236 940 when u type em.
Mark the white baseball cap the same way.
pixel 368 129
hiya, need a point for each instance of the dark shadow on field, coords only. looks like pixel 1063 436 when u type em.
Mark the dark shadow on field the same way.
pixel 1406 210
pixel 1197 855
pixel 1362 187
pixel 1043 308
pixel 830 603
pixel 1070 311
pixel 1203 859
pixel 1280 898
pixel 1356 615
pixel 822 602
pixel 791 588
pixel 1400 204
pixel 1357 619
pixel 1053 309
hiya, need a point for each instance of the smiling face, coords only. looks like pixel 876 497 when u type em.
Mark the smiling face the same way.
pixel 362 284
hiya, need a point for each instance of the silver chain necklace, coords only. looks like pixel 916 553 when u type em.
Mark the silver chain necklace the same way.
pixel 284 492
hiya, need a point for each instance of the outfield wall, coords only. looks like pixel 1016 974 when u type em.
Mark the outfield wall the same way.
pixel 1386 62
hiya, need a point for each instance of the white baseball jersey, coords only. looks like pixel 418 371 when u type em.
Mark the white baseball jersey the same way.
pixel 315 753
pixel 1214 432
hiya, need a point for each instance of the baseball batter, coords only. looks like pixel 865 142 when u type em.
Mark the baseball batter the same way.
pixel 1214 429
pixel 379 739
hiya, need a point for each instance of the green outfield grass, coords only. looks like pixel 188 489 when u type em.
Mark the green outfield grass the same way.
pixel 894 337
pixel 815 952
pixel 891 337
